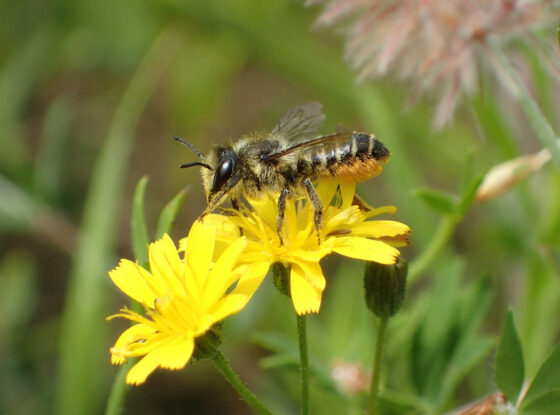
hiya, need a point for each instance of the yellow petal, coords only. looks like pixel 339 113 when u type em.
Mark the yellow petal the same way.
pixel 225 228
pixel 397 241
pixel 380 228
pixel 347 191
pixel 135 333
pixel 337 219
pixel 366 249
pixel 136 282
pixel 221 277
pixel 266 208
pixel 313 274
pixel 305 297
pixel 228 306
pixel 380 210
pixel 173 355
pixel 252 278
pixel 165 263
pixel 198 257
pixel 326 188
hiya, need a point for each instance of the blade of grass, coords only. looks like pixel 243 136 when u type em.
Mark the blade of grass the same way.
pixel 84 335
pixel 169 213
pixel 138 228
pixel 49 165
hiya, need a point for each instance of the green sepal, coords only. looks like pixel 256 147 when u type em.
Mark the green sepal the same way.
pixel 206 346
pixel 281 278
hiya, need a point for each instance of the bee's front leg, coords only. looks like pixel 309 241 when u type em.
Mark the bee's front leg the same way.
pixel 281 211
pixel 317 207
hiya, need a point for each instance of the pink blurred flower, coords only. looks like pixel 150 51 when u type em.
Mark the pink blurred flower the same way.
pixel 434 45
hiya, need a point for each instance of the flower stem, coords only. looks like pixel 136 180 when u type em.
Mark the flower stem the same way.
pixel 304 363
pixel 227 371
pixel 376 374
pixel 118 391
pixel 437 243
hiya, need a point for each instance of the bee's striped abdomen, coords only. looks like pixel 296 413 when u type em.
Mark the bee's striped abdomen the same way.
pixel 357 159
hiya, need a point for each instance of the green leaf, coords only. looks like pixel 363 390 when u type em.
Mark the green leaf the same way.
pixel 439 201
pixel 548 376
pixel 169 213
pixel 509 370
pixel 545 404
pixel 139 229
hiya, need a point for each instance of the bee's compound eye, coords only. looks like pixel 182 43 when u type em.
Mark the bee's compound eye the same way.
pixel 223 173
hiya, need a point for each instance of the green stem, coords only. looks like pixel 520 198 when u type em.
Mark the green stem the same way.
pixel 304 362
pixel 538 121
pixel 118 391
pixel 376 374
pixel 436 245
pixel 227 371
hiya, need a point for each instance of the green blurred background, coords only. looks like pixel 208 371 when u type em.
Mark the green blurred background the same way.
pixel 90 96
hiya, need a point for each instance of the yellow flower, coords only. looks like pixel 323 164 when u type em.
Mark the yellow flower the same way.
pixel 183 299
pixel 345 231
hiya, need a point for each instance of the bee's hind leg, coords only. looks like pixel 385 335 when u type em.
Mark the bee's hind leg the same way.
pixel 317 207
pixel 281 210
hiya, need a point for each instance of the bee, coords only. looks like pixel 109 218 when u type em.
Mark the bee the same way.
pixel 287 161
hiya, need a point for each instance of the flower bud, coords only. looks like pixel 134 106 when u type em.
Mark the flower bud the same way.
pixel 281 277
pixel 385 287
pixel 506 175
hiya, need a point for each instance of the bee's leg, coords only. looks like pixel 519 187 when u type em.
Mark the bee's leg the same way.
pixel 235 204
pixel 281 211
pixel 317 207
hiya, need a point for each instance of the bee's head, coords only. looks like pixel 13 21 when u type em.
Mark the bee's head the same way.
pixel 223 177
pixel 220 173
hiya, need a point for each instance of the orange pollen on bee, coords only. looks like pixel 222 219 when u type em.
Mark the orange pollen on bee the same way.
pixel 358 171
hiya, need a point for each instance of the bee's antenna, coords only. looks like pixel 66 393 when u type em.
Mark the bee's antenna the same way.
pixel 196 163
pixel 189 145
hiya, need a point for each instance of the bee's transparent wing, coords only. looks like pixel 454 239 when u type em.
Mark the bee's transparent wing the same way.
pixel 302 121
pixel 311 147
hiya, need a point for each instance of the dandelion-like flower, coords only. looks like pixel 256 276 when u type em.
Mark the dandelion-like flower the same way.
pixel 436 45
pixel 182 299
pixel 346 230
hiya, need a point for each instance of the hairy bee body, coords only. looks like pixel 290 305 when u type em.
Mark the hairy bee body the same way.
pixel 355 159
pixel 276 162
